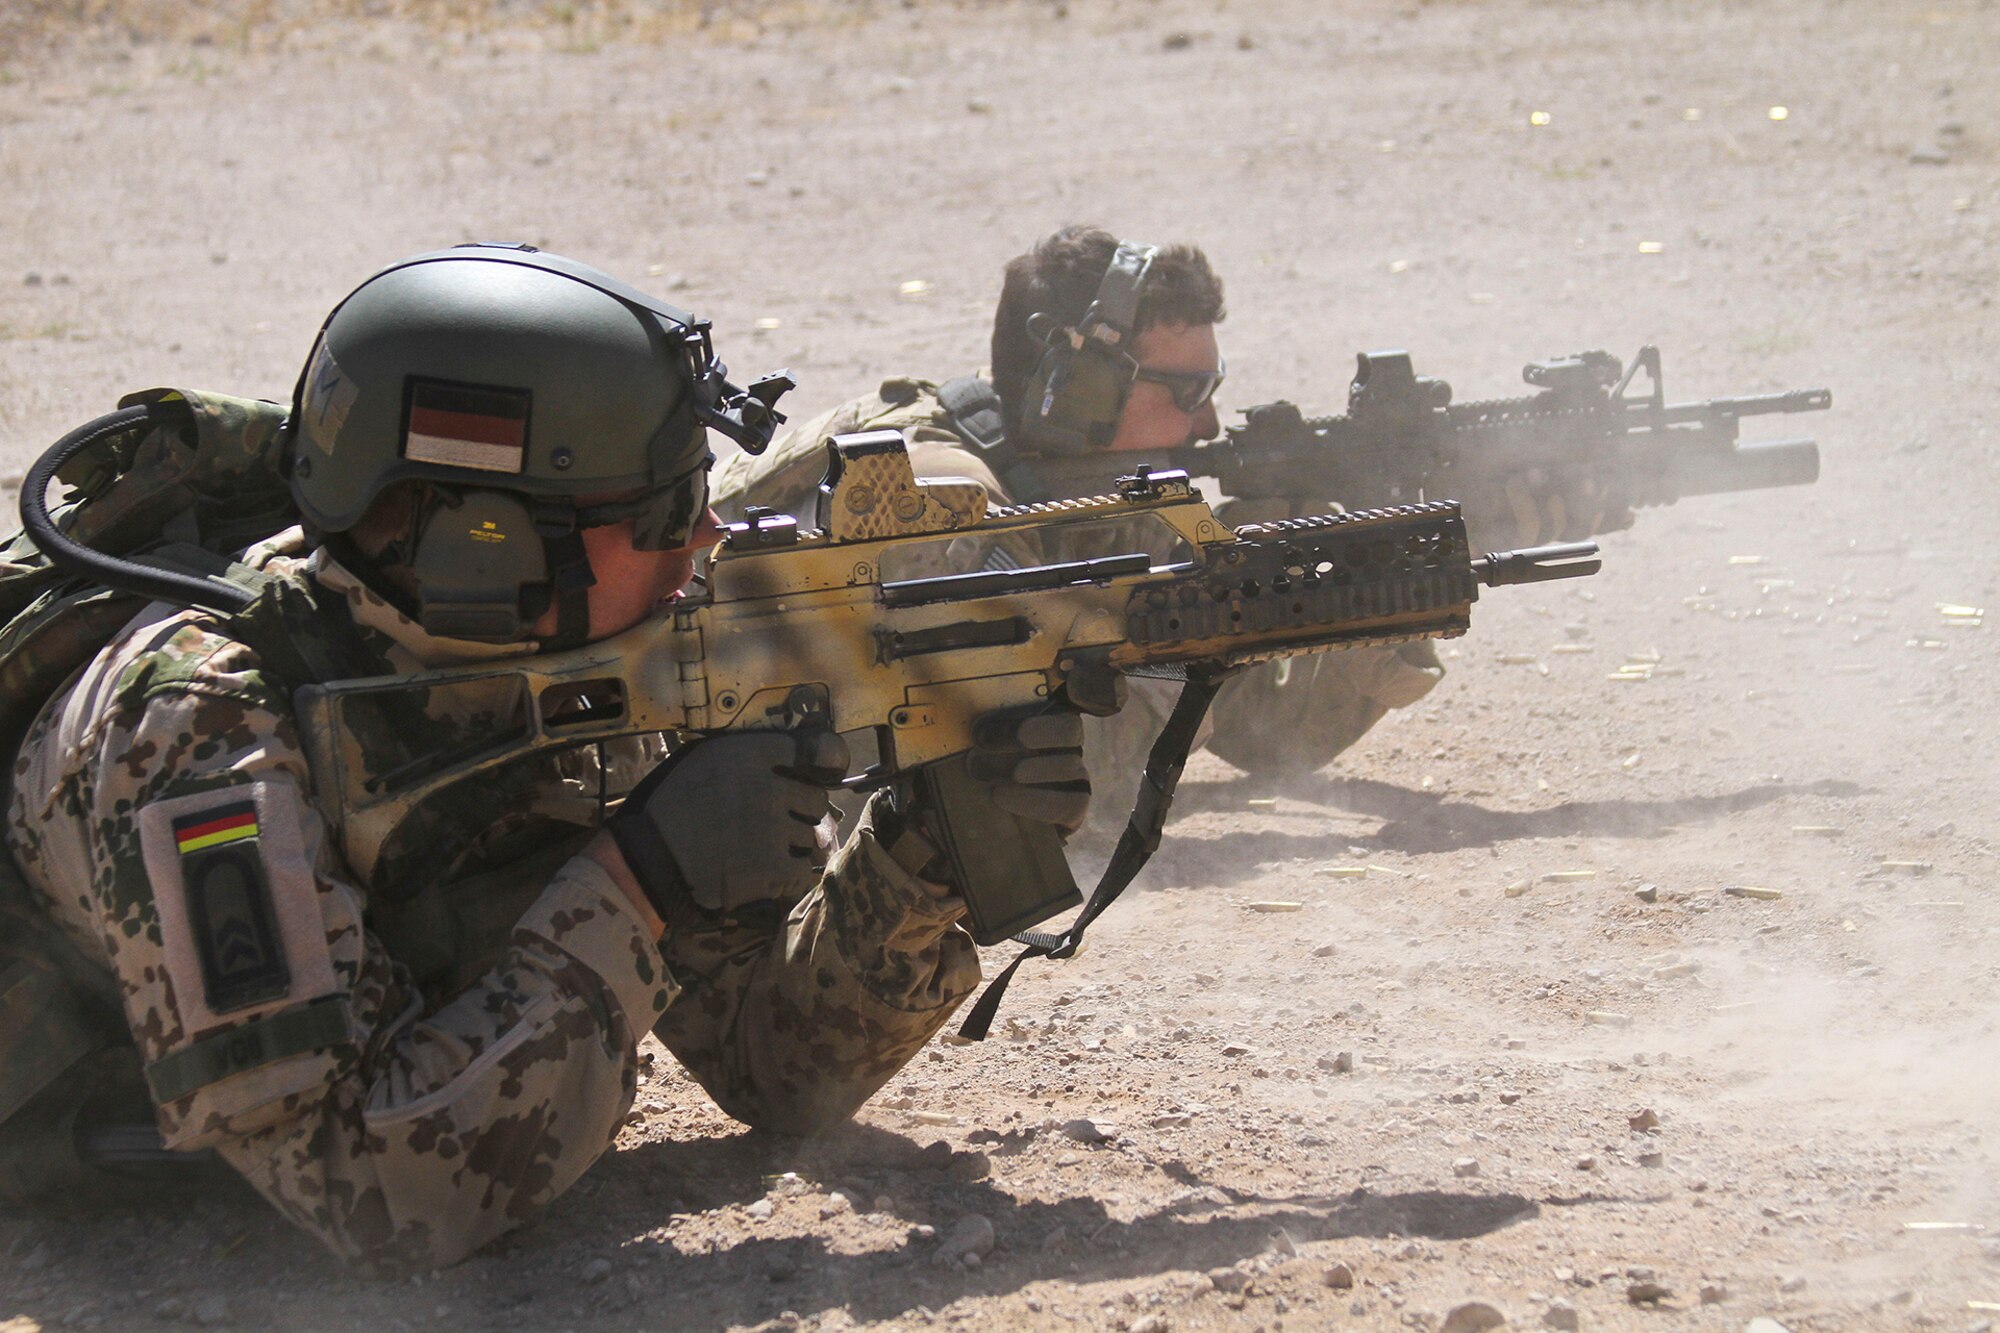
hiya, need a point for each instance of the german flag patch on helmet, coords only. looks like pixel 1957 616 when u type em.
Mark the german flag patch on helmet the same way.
pixel 466 425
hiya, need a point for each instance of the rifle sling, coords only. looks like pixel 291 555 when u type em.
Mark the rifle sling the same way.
pixel 1136 845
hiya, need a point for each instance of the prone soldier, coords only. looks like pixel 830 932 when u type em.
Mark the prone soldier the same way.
pixel 495 453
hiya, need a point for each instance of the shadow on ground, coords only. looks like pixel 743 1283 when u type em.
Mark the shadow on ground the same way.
pixel 639 1212
pixel 1419 822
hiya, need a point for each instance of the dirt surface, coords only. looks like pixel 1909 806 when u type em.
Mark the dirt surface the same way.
pixel 1521 1043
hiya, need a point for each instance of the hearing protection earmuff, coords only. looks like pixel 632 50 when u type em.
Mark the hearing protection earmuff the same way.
pixel 1078 389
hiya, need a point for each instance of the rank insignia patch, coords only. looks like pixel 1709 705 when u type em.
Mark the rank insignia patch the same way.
pixel 229 909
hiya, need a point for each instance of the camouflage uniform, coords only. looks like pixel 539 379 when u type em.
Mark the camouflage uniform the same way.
pixel 1291 716
pixel 448 1040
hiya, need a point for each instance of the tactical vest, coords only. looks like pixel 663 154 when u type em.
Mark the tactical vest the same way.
pixel 200 481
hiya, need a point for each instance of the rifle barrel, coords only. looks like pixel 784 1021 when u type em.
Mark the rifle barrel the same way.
pixel 1537 564
pixel 1749 405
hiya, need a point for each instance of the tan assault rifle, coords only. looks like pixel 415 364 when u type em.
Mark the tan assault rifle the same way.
pixel 911 610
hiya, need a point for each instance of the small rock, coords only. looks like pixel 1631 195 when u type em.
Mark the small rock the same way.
pixel 979 106
pixel 1509 1097
pixel 1713 1293
pixel 1089 1131
pixel 1177 41
pixel 1151 1323
pixel 31 279
pixel 1517 1043
pixel 884 1204
pixel 1281 1242
pixel 1643 1120
pixel 970 1260
pixel 1461 1096
pixel 1652 1159
pixel 1324 951
pixel 595 1271
pixel 971 1237
pixel 1792 1284
pixel 1236 1048
pixel 1057 1239
pixel 1465 1167
pixel 1472 1317
pixel 1647 1293
pixel 1587 1162
pixel 760 1210
pixel 1343 1063
pixel 836 1204
pixel 923 1231
pixel 1338 1276
pixel 1929 157
pixel 1561 1314
pixel 1647 893
pixel 1229 1280
pixel 1409 1249
pixel 211 1310
pixel 1762 1325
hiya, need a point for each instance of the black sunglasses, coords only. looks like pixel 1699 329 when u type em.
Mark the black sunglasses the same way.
pixel 1191 389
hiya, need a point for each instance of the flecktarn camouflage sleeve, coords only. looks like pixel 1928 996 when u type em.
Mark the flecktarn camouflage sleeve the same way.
pixel 275 1028
pixel 792 1027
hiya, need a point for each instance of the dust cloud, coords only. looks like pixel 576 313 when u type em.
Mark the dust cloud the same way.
pixel 1586 1071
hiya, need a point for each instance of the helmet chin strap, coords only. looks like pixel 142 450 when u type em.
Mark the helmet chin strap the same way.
pixel 570 576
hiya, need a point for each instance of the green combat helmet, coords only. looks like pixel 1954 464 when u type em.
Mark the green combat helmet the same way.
pixel 531 397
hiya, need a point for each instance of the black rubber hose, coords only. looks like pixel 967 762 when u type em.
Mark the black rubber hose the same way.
pixel 75 558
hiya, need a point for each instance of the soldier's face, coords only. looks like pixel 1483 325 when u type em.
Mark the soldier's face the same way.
pixel 633 585
pixel 1151 419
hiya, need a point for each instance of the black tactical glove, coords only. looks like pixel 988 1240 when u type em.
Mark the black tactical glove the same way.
pixel 731 821
pixel 1034 764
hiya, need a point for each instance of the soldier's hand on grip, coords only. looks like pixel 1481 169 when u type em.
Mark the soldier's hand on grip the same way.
pixel 731 821
pixel 1034 765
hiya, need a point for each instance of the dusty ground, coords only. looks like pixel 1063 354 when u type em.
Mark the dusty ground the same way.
pixel 1821 1064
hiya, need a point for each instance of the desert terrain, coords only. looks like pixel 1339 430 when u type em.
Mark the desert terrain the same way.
pixel 1642 976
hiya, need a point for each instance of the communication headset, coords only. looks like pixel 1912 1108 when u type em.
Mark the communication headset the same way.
pixel 1073 399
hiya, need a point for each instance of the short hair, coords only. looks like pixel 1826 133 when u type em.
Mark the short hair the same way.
pixel 1060 278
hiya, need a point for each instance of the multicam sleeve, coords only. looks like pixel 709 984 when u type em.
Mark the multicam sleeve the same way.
pixel 403 1132
pixel 793 1026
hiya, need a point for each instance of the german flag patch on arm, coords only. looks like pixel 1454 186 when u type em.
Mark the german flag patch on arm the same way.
pixel 229 908
pixel 241 927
